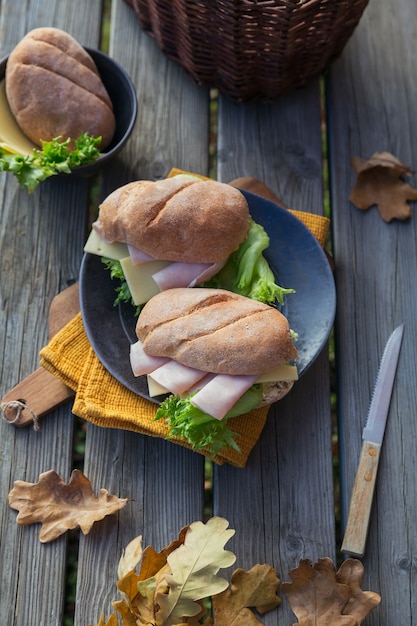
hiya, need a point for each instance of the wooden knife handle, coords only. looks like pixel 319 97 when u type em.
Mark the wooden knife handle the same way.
pixel 356 532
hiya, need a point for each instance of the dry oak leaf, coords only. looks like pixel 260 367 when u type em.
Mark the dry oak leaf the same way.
pixel 193 571
pixel 59 506
pixel 256 588
pixel 131 556
pixel 112 621
pixel 170 584
pixel 379 180
pixel 138 590
pixel 320 596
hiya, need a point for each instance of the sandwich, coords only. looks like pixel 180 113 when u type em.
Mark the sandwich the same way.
pixel 182 232
pixel 218 354
pixel 54 89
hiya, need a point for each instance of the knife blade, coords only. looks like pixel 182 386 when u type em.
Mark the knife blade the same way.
pixel 356 532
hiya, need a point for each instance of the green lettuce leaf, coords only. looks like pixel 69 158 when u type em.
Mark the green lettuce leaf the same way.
pixel 54 158
pixel 248 273
pixel 201 430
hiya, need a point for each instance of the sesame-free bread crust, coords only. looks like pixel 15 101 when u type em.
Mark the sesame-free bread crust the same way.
pixel 55 90
pixel 176 219
pixel 215 330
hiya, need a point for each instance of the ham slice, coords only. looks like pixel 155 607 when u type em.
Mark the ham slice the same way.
pixel 175 377
pixel 221 393
pixel 138 256
pixel 142 363
pixel 182 274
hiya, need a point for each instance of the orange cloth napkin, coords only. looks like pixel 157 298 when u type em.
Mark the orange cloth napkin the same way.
pixel 102 400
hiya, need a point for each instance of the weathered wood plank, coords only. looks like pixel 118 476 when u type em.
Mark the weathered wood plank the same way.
pixel 41 238
pixel 164 482
pixel 276 521
pixel 371 96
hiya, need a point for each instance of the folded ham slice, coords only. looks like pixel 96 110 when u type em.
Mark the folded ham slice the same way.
pixel 221 393
pixel 143 363
pixel 175 377
pixel 215 393
pixel 181 274
pixel 138 256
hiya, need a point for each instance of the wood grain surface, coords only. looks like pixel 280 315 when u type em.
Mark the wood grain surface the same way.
pixel 371 90
pixel 41 239
pixel 282 504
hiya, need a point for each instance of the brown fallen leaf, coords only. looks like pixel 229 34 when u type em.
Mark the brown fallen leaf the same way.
pixel 361 603
pixel 255 588
pixel 379 180
pixel 112 621
pixel 169 588
pixel 320 596
pixel 59 506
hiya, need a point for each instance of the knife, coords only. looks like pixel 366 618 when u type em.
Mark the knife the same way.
pixel 357 525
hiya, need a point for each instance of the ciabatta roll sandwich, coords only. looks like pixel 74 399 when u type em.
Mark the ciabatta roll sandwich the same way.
pixel 182 232
pixel 218 354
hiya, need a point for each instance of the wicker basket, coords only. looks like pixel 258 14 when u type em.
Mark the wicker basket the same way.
pixel 250 48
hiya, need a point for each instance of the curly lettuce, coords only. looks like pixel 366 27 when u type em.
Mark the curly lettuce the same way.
pixel 201 430
pixel 55 157
pixel 248 273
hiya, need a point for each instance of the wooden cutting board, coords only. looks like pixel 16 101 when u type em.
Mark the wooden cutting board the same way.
pixel 41 392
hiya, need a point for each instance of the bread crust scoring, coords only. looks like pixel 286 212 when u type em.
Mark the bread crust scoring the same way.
pixel 176 219
pixel 216 331
pixel 54 89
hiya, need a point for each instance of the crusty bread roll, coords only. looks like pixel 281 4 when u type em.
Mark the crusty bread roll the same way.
pixel 55 90
pixel 215 331
pixel 176 219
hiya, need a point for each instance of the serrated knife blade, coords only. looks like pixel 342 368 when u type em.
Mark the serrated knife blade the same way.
pixel 354 540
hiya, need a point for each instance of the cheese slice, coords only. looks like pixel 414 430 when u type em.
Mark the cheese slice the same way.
pixel 154 388
pixel 139 279
pixel 96 245
pixel 280 373
pixel 12 139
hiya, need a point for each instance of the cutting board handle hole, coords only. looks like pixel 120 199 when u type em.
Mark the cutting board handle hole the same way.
pixel 13 412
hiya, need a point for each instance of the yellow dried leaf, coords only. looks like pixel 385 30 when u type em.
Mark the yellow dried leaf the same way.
pixel 320 596
pixel 112 621
pixel 153 561
pixel 256 588
pixel 379 181
pixel 59 506
pixel 194 567
pixel 130 558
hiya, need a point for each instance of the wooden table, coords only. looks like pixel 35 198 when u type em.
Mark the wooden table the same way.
pixel 282 504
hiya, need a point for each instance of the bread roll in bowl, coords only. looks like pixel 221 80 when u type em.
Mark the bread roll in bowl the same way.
pixel 176 219
pixel 55 90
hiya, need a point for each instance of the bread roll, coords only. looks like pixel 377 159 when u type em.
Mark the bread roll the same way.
pixel 54 89
pixel 176 219
pixel 215 331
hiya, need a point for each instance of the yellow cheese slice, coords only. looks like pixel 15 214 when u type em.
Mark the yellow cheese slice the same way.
pixel 12 139
pixel 281 372
pixel 139 279
pixel 115 251
pixel 276 374
pixel 154 388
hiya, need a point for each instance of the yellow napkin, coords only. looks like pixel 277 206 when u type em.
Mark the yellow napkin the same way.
pixel 102 400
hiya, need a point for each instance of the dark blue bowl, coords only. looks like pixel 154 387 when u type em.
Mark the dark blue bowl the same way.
pixel 123 96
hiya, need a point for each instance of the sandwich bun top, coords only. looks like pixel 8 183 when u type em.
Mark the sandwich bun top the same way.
pixel 215 330
pixel 176 219
pixel 55 90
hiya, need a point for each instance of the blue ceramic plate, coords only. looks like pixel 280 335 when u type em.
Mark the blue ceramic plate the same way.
pixel 294 255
